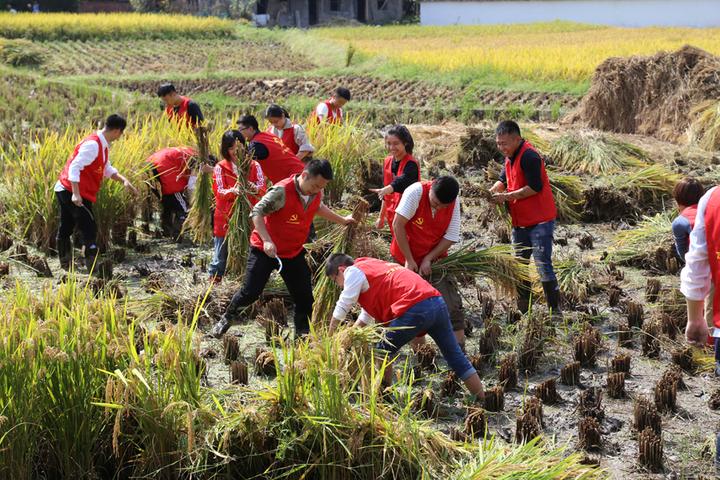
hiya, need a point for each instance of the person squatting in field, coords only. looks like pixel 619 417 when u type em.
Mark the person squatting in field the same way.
pixel 292 134
pixel 179 108
pixel 400 299
pixel 331 110
pixel 227 190
pixel 400 170
pixel 282 220
pixel 77 188
pixel 524 186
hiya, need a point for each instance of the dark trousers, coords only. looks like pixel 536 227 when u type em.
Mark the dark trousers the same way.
pixel 297 277
pixel 174 212
pixel 72 216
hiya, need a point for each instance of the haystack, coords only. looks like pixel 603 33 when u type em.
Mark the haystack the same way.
pixel 651 95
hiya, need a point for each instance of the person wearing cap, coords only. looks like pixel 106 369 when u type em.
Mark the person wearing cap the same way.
pixel 331 110
pixel 292 134
pixel 178 107
pixel 282 220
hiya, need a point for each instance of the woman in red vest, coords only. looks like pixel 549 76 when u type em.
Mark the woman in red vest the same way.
pixel 292 134
pixel 170 167
pixel 426 225
pixel 687 194
pixel 78 186
pixel 331 110
pixel 404 302
pixel 225 187
pixel 400 170
pixel 525 186
pixel 282 221
pixel 276 159
pixel 178 107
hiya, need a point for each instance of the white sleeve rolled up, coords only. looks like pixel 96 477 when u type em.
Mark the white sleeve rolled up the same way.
pixel 695 278
pixel 355 284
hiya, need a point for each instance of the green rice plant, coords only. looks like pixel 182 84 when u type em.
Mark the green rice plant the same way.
pixel 497 263
pixel 536 459
pixel 349 148
pixel 647 184
pixel 634 246
pixel 568 193
pixel 705 127
pixel 591 152
pixel 198 222
pixel 21 53
pixel 575 278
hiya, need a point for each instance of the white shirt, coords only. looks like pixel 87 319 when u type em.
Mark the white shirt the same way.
pixel 299 134
pixel 410 202
pixel 355 284
pixel 322 111
pixel 87 153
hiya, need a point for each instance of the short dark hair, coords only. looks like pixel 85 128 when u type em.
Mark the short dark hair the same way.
pixel 229 139
pixel 446 189
pixel 317 167
pixel 337 260
pixel 401 132
pixel 343 92
pixel 249 121
pixel 688 191
pixel 165 89
pixel 276 111
pixel 507 127
pixel 115 122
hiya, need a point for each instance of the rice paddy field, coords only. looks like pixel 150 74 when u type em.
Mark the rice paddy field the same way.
pixel 115 375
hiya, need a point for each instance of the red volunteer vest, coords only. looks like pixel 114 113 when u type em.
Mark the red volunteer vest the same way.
pixel 392 200
pixel 92 175
pixel 281 162
pixel 423 230
pixel 225 203
pixel 334 114
pixel 289 226
pixel 531 210
pixel 171 164
pixel 712 232
pixel 690 213
pixel 288 138
pixel 393 289
pixel 182 112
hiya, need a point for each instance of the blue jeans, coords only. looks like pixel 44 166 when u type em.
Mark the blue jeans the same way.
pixel 538 242
pixel 431 316
pixel 220 254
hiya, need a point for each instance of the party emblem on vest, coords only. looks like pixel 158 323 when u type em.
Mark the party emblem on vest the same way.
pixel 294 219
pixel 717 255
pixel 419 221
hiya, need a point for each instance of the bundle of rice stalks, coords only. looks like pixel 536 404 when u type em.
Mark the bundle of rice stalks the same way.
pixel 650 450
pixel 345 239
pixel 240 224
pixel 647 184
pixel 595 153
pixel 568 193
pixel 589 433
pixel 199 219
pixel 349 149
pixel 705 127
pixel 646 415
pixel 635 247
pixel 575 279
pixel 570 374
pixel 496 263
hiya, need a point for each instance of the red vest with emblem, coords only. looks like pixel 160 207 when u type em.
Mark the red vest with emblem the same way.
pixel 532 210
pixel 393 289
pixel 225 175
pixel 392 200
pixel 281 163
pixel 171 165
pixel 712 233
pixel 92 175
pixel 423 230
pixel 334 114
pixel 289 226
pixel 182 112
pixel 690 213
pixel 288 138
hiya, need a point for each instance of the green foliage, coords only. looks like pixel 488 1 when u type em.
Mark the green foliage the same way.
pixel 21 53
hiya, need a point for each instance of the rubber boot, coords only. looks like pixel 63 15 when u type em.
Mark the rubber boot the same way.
pixel 552 297
pixel 91 258
pixel 523 300
pixel 64 248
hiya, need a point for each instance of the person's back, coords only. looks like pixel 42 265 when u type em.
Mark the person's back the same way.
pixel 687 194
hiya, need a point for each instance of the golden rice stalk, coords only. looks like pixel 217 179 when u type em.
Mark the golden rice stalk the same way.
pixel 636 244
pixel 705 127
pixel 240 225
pixel 199 219
pixel 568 193
pixel 496 263
pixel 591 152
pixel 649 183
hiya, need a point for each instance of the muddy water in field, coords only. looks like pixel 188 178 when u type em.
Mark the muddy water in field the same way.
pixel 687 433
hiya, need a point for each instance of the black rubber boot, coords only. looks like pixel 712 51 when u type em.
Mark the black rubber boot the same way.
pixel 91 258
pixel 552 297
pixel 64 248
pixel 523 300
